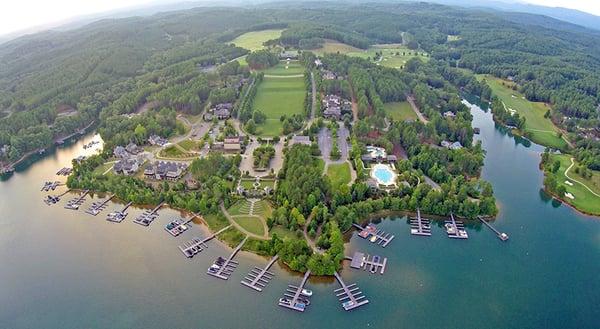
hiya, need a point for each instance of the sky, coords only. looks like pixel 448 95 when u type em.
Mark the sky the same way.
pixel 17 15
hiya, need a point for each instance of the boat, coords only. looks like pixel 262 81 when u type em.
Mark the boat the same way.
pixel 306 292
pixel 284 301
pixel 373 238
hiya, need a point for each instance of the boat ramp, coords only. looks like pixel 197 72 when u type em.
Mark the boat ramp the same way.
pixel 374 235
pixel 118 216
pixel 365 262
pixel 74 204
pixel 455 229
pixel 349 295
pixel 419 225
pixel 148 216
pixel 258 278
pixel 296 297
pixel 196 245
pixel 222 268
pixel 98 206
pixel 178 225
pixel 500 235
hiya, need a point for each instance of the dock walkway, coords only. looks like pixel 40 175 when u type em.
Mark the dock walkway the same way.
pixel 258 278
pixel 98 206
pixel 178 226
pixel 148 216
pixel 455 229
pixel 222 268
pixel 500 235
pixel 374 235
pixel 75 203
pixel 292 297
pixel 118 216
pixel 353 297
pixel 365 262
pixel 420 226
pixel 196 245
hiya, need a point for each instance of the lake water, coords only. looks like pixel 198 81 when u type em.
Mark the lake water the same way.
pixel 66 269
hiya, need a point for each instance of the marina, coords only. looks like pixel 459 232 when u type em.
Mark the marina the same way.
pixel 65 171
pixel 367 263
pixel 75 203
pixel 196 245
pixel 223 267
pixel 371 233
pixel 455 229
pixel 258 278
pixel 500 235
pixel 53 199
pixel 296 297
pixel 420 226
pixel 350 296
pixel 178 225
pixel 50 186
pixel 98 206
pixel 118 216
pixel 148 216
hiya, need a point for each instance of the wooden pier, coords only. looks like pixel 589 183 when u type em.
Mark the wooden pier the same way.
pixel 98 206
pixel 293 298
pixel 74 204
pixel 455 229
pixel 374 235
pixel 178 225
pixel 148 216
pixel 258 278
pixel 222 268
pixel 365 262
pixel 196 245
pixel 118 216
pixel 349 295
pixel 500 235
pixel 420 226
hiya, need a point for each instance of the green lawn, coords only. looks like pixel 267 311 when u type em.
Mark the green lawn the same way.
pixel 283 232
pixel 249 183
pixel 339 174
pixel 584 199
pixel 285 69
pixel 251 224
pixel 539 129
pixel 241 207
pixel 394 55
pixel 254 40
pixel 400 111
pixel 174 152
pixel 188 144
pixel 215 221
pixel 333 47
pixel 276 97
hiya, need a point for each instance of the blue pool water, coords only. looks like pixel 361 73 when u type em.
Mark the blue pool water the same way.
pixel 383 174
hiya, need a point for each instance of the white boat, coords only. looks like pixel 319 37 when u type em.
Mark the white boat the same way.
pixel 306 292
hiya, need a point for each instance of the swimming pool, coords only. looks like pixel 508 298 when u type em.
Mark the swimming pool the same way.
pixel 383 174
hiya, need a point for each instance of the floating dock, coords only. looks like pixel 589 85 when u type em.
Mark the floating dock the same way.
pixel 365 262
pixel 455 229
pixel 148 216
pixel 98 206
pixel 53 199
pixel 64 171
pixel 178 225
pixel 118 216
pixel 74 204
pixel 420 226
pixel 50 186
pixel 349 295
pixel 222 268
pixel 374 235
pixel 196 245
pixel 293 298
pixel 500 235
pixel 258 278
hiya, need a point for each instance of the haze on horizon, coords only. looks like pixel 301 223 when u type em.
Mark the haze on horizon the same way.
pixel 24 14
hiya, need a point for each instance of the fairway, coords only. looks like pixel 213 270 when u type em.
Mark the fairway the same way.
pixel 281 92
pixel 541 130
pixel 333 47
pixel 254 40
pixel 400 111
pixel 584 199
pixel 339 174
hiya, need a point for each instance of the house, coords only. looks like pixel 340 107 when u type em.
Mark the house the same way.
pixel 165 170
pixel 220 111
pixel 157 140
pixel 449 114
pixel 328 75
pixel 120 152
pixel 127 166
pixel 232 144
pixel 289 55
pixel 303 140
pixel 451 146
pixel 133 149
pixel 332 113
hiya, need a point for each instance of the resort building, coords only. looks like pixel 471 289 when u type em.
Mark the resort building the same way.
pixel 229 144
pixel 303 140
pixel 157 140
pixel 451 146
pixel 120 152
pixel 289 55
pixel 318 63
pixel 127 166
pixel 133 149
pixel 334 107
pixel 165 170
pixel 376 154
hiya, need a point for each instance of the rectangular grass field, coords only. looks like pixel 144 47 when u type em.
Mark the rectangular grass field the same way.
pixel 254 40
pixel 400 111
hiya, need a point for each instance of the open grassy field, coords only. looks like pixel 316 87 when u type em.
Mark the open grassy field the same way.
pixel 584 200
pixel 174 152
pixel 400 111
pixel 541 130
pixel 284 69
pixel 254 40
pixel 394 55
pixel 339 174
pixel 278 96
pixel 333 47
pixel 189 145
pixel 251 224
pixel 283 232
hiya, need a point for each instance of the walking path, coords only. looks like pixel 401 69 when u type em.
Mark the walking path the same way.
pixel 232 221
pixel 415 108
pixel 576 181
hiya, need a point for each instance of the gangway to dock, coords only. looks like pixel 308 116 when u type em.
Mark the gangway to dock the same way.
pixel 293 298
pixel 222 268
pixel 75 203
pixel 118 216
pixel 258 278
pixel 349 295
pixel 98 206
pixel 420 226
pixel 500 235
pixel 196 245
pixel 365 262
pixel 374 235
pixel 455 229
pixel 148 216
